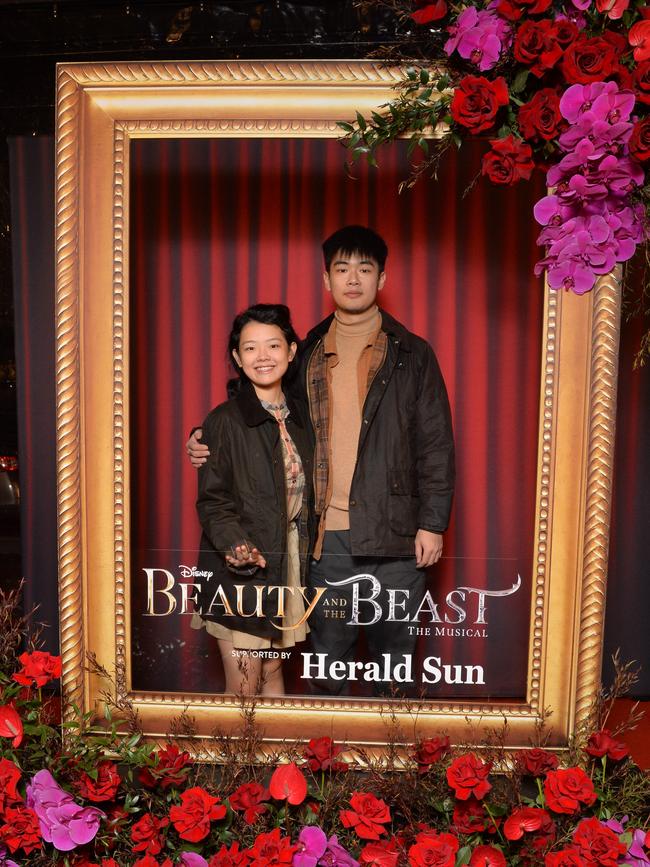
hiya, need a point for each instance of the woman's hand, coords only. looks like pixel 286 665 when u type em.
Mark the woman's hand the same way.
pixel 245 555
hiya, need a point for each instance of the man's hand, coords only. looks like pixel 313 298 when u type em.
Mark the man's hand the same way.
pixel 245 555
pixel 197 451
pixel 428 548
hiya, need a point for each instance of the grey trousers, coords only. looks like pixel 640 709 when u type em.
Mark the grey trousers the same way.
pixel 388 592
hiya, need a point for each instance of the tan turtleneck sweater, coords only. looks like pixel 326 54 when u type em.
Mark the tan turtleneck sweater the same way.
pixel 349 337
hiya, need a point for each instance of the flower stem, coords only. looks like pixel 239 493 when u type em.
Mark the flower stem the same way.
pixel 493 820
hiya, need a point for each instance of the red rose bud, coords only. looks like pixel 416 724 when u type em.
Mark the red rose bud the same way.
pixel 514 9
pixel 589 59
pixel 383 853
pixel 602 743
pixel 467 776
pixel 250 798
pixel 640 140
pixel 38 668
pixel 288 783
pixel 564 858
pixel 192 818
pixel 568 789
pixel 537 762
pixel 367 816
pixel 432 848
pixel 321 753
pixel 536 46
pixel 509 161
pixel 477 100
pixel 430 751
pixel 104 788
pixel 540 117
pixel 597 843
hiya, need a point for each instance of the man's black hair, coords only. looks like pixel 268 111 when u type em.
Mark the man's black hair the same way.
pixel 355 240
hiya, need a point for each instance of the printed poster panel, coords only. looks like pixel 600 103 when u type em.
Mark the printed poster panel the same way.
pixel 217 225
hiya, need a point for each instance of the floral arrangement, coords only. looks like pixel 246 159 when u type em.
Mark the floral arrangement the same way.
pixel 113 801
pixel 561 86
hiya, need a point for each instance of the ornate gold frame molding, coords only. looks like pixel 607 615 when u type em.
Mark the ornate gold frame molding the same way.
pixel 100 107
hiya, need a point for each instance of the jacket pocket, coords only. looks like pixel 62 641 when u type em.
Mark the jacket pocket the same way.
pixel 403 502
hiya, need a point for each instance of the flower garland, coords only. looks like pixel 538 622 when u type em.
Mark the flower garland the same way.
pixel 146 808
pixel 560 85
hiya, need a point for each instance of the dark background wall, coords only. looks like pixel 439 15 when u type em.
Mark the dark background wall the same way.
pixel 34 36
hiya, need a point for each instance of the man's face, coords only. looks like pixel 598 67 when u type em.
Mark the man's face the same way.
pixel 354 282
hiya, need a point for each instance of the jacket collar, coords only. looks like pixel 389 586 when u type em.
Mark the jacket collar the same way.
pixel 252 410
pixel 388 324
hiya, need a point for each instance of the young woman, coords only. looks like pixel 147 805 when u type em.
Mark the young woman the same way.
pixel 253 505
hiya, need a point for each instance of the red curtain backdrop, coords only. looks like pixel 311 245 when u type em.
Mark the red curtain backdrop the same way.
pixel 217 225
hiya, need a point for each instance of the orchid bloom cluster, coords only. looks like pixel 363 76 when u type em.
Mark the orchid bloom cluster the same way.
pixel 479 36
pixel 63 822
pixel 589 222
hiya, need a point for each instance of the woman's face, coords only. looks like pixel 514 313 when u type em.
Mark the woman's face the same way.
pixel 264 354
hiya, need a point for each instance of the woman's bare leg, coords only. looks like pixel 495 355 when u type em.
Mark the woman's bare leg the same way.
pixel 249 675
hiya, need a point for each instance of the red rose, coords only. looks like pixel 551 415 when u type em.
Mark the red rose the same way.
pixel 514 9
pixel 565 32
pixel 384 853
pixel 612 8
pixel 641 82
pixel 429 12
pixel 602 743
pixel 367 816
pixel 476 102
pixel 536 46
pixel 320 754
pixel 487 856
pixel 639 39
pixel 21 829
pixel 146 834
pixel 433 850
pixel 430 751
pixel 567 789
pixel 38 668
pixel 564 858
pixel 589 59
pixel 231 857
pixel 170 767
pixel 272 849
pixel 149 861
pixel 9 777
pixel 288 782
pixel 249 797
pixel 11 725
pixel 198 808
pixel 522 820
pixel 540 118
pixel 537 762
pixel 104 788
pixel 467 775
pixel 469 817
pixel 508 161
pixel 640 140
pixel 598 844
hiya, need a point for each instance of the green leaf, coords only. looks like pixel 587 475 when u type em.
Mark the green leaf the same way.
pixel 519 83
pixel 463 855
pixel 345 126
pixel 424 76
pixel 361 121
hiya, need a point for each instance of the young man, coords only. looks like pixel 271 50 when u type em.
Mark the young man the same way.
pixel 383 467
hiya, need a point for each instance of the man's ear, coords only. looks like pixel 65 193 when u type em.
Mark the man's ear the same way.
pixel 381 281
pixel 326 281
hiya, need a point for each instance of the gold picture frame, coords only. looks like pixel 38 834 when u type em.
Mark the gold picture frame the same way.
pixel 100 108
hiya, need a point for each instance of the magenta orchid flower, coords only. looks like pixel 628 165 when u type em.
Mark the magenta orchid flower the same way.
pixel 63 822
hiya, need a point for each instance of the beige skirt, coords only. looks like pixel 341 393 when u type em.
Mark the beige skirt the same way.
pixel 294 610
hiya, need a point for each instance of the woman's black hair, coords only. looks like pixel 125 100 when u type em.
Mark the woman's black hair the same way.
pixel 267 314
